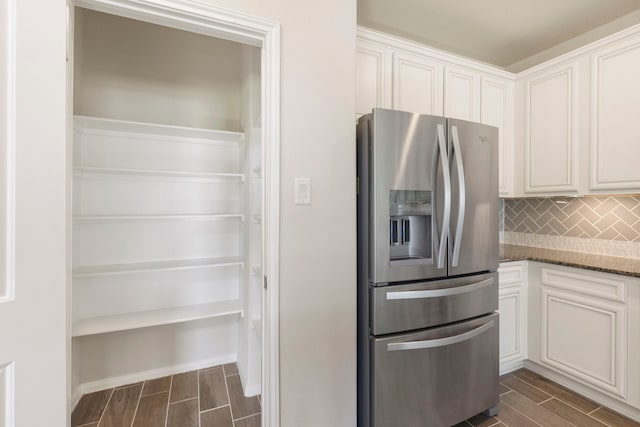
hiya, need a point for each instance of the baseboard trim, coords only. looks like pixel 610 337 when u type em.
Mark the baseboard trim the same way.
pixel 252 390
pixel 510 366
pixel 150 374
pixel 75 398
pixel 599 397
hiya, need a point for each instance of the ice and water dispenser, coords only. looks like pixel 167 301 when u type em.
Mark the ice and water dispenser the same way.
pixel 410 227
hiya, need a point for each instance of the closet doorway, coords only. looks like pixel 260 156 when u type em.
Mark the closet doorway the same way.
pixel 174 173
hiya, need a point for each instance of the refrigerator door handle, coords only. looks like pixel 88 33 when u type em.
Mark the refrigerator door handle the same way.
pixel 440 342
pixel 441 153
pixel 437 293
pixel 462 193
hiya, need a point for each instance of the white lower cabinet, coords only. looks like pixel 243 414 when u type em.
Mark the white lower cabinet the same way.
pixel 583 334
pixel 584 326
pixel 512 303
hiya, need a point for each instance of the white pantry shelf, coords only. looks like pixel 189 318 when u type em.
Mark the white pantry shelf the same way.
pixel 188 217
pixel 165 316
pixel 156 132
pixel 84 171
pixel 165 265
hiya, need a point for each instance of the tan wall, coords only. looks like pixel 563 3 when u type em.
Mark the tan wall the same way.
pixel 318 241
pixel 131 70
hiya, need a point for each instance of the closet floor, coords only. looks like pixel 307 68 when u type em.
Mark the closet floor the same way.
pixel 210 397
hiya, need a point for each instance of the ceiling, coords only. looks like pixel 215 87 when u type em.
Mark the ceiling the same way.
pixel 514 34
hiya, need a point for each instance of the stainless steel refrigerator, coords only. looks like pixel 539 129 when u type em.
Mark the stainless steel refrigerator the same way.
pixel 427 261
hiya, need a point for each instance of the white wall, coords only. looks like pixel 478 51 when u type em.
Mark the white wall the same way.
pixel 318 242
pixel 33 327
pixel 132 70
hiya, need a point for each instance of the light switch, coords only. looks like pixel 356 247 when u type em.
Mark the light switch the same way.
pixel 303 191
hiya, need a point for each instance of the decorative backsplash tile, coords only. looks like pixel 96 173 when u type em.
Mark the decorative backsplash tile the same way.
pixel 593 217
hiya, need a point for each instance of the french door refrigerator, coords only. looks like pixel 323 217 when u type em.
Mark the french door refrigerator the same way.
pixel 427 261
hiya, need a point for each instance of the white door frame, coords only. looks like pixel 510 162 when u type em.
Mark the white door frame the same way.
pixel 200 17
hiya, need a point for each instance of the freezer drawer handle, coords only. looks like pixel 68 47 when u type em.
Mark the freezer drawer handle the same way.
pixel 436 293
pixel 440 342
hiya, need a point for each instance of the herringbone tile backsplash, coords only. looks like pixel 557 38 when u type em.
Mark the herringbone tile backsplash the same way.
pixel 603 217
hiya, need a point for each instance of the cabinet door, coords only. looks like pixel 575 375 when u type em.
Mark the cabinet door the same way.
pixel 496 109
pixel 551 130
pixel 417 84
pixel 512 309
pixel 614 123
pixel 462 94
pixel 583 328
pixel 373 77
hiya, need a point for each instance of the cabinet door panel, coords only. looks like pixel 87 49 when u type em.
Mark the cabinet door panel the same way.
pixel 551 131
pixel 614 125
pixel 513 318
pixel 496 109
pixel 585 338
pixel 371 78
pixel 417 84
pixel 462 94
pixel 510 303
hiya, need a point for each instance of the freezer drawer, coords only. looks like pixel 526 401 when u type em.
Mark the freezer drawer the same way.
pixel 399 308
pixel 437 377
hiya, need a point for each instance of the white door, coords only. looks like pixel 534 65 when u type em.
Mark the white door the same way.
pixel 33 322
pixel 461 94
pixel 417 84
pixel 496 109
pixel 614 131
pixel 373 77
pixel 551 126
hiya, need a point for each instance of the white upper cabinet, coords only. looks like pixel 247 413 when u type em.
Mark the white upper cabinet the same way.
pixel 392 73
pixel 373 77
pixel 417 84
pixel 462 94
pixel 567 127
pixel 615 103
pixel 579 128
pixel 496 109
pixel 551 130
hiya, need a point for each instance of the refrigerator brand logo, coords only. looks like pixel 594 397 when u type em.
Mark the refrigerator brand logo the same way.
pixel 483 139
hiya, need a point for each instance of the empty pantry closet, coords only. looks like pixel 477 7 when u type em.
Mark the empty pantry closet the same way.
pixel 166 203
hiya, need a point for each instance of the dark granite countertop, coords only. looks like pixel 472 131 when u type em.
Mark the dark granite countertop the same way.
pixel 608 264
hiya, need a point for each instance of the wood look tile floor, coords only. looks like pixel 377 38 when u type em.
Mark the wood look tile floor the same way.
pixel 213 397
pixel 529 400
pixel 209 397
